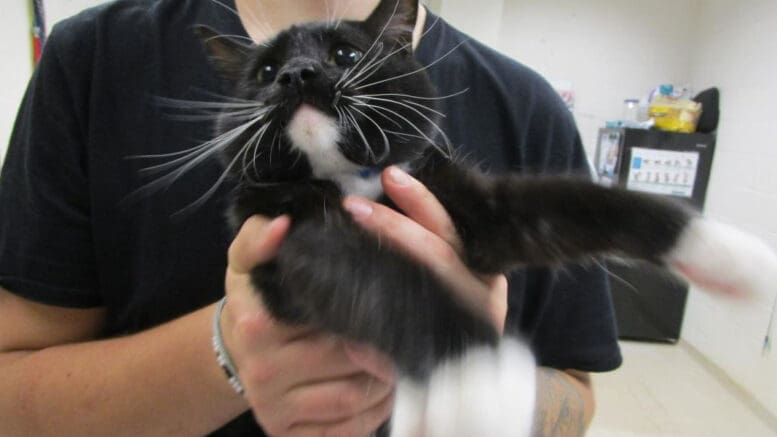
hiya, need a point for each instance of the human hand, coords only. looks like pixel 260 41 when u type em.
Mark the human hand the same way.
pixel 428 234
pixel 297 381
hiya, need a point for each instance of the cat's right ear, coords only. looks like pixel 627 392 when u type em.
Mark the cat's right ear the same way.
pixel 228 56
pixel 395 19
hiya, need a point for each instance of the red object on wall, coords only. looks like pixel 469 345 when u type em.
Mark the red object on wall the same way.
pixel 37 48
pixel 38 29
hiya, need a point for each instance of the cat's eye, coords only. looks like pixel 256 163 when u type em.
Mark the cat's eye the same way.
pixel 267 73
pixel 346 56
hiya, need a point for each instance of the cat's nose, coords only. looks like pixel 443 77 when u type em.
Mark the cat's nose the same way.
pixel 297 75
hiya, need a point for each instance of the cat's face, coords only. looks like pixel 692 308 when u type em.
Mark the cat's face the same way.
pixel 329 97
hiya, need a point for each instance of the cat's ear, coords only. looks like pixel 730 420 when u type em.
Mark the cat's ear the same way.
pixel 228 56
pixel 398 17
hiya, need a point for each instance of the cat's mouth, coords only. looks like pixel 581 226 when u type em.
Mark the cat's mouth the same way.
pixel 322 101
pixel 312 130
pixel 317 135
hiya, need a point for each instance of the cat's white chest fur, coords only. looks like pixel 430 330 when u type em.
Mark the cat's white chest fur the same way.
pixel 316 135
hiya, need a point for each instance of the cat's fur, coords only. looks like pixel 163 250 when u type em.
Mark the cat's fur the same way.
pixel 311 137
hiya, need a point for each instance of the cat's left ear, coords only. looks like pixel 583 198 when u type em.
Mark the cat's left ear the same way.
pixel 228 56
pixel 398 17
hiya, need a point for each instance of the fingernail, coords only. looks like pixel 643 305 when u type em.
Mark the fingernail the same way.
pixel 399 177
pixel 264 234
pixel 357 207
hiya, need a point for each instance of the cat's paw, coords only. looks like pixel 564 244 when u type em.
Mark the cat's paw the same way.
pixel 722 259
pixel 486 392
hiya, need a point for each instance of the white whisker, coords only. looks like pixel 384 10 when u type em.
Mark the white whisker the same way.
pixel 253 143
pixel 275 138
pixel 233 36
pixel 411 96
pixel 378 110
pixel 341 117
pixel 199 104
pixel 356 126
pixel 358 67
pixel 376 66
pixel 265 27
pixel 208 194
pixel 448 148
pixel 329 15
pixel 386 143
pixel 628 284
pixel 208 111
pixel 190 150
pixel 377 38
pixel 438 60
pixel 223 5
pixel 236 116
pixel 372 65
pixel 342 15
pixel 402 134
pixel 189 159
pixel 403 103
pixel 193 151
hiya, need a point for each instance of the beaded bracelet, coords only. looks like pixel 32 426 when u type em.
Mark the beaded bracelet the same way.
pixel 222 356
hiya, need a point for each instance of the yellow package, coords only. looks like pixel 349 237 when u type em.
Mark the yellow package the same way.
pixel 674 115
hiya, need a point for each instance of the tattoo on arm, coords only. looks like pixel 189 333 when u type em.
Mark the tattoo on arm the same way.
pixel 560 408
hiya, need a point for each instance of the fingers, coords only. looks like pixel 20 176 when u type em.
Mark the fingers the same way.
pixel 336 400
pixel 360 425
pixel 304 387
pixel 428 235
pixel 309 382
pixel 257 242
pixel 418 242
pixel 297 381
pixel 419 204
pixel 315 357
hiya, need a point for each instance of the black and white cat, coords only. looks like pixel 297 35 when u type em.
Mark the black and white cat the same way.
pixel 316 113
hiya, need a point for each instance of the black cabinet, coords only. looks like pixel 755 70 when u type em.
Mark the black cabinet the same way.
pixel 650 304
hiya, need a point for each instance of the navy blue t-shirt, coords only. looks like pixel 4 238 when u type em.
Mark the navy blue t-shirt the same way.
pixel 67 239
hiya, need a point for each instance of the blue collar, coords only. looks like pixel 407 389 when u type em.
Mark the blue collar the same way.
pixel 369 172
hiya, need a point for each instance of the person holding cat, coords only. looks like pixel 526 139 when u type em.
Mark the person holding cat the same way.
pixel 105 313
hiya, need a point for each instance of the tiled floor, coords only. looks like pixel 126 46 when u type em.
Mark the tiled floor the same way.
pixel 664 390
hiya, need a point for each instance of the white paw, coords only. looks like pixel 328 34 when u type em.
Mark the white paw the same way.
pixel 486 392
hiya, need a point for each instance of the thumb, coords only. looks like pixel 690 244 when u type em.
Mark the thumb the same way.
pixel 258 241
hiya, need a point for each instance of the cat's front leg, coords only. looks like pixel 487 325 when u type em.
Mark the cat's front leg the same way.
pixel 507 220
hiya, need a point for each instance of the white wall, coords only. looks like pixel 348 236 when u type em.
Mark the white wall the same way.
pixel 735 50
pixel 608 50
pixel 611 50
pixel 16 67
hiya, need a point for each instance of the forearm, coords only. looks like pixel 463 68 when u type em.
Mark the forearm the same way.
pixel 565 403
pixel 164 381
